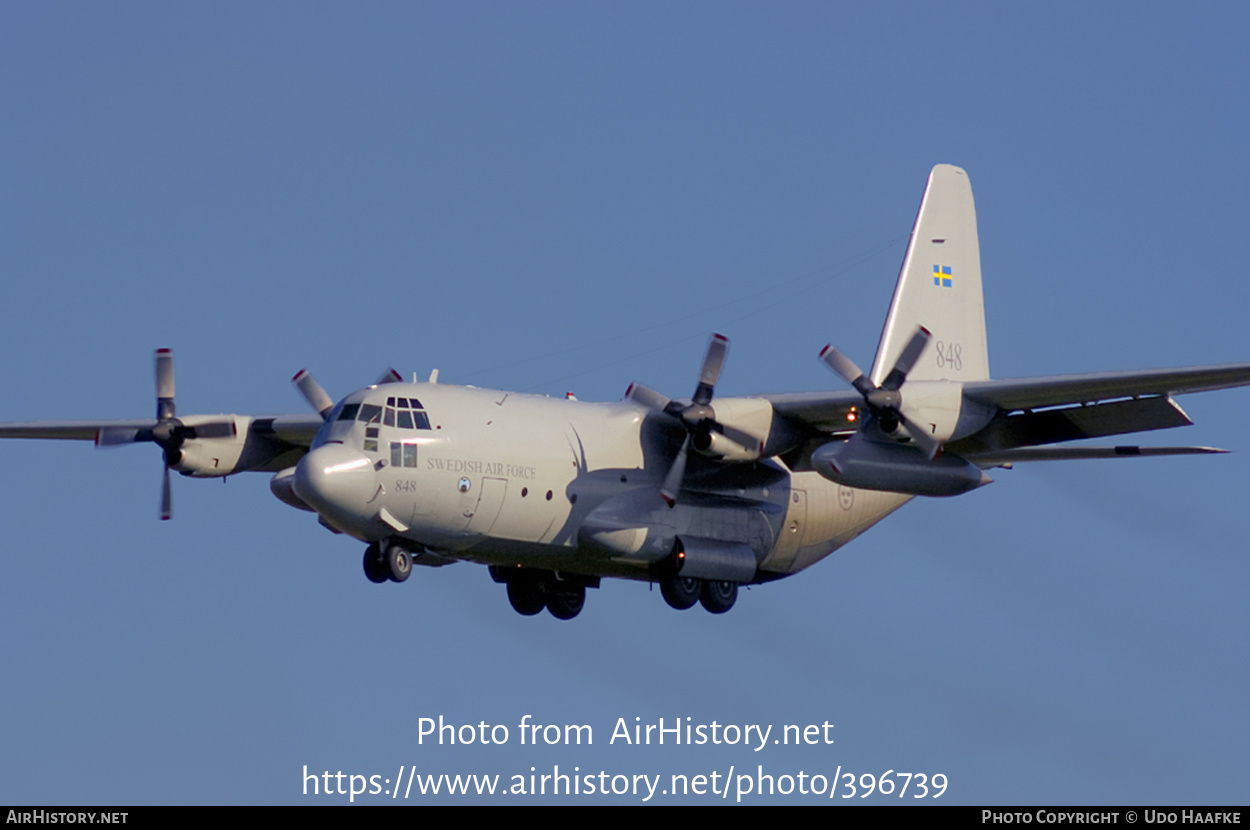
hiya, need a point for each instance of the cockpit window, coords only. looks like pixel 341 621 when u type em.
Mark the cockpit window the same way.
pixel 405 413
pixel 399 413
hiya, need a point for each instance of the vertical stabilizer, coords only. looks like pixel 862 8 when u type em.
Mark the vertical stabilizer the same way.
pixel 939 287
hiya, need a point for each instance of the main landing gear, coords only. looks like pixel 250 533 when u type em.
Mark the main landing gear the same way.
pixel 392 562
pixel 530 591
pixel 682 592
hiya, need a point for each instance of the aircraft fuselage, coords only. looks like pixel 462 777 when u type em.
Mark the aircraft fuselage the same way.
pixel 520 480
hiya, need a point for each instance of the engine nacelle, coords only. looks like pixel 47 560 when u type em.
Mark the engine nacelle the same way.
pixel 894 468
pixel 219 451
pixel 282 485
pixel 222 445
pixel 747 425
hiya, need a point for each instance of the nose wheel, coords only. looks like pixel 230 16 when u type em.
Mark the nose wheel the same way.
pixel 398 563
pixel 375 568
pixel 393 564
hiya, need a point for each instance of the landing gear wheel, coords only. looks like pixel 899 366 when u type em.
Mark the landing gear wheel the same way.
pixel 680 592
pixel 718 597
pixel 526 596
pixel 398 563
pixel 375 568
pixel 565 601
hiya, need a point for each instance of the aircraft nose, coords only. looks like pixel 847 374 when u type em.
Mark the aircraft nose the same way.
pixel 336 480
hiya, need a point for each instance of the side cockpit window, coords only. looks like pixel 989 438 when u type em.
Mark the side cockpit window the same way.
pixel 403 454
pixel 371 414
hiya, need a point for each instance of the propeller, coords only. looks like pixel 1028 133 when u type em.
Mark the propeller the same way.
pixel 697 417
pixel 885 401
pixel 167 431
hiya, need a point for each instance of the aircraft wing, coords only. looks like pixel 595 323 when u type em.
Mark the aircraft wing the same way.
pixel 70 430
pixel 824 411
pixel 295 430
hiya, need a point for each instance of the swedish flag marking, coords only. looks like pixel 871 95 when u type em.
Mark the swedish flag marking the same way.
pixel 942 276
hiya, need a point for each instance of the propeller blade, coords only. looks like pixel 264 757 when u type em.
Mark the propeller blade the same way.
pixel 313 393
pixel 907 359
pixel 167 502
pixel 846 369
pixel 389 376
pixel 647 396
pixel 164 384
pixel 713 362
pixel 116 436
pixel 672 481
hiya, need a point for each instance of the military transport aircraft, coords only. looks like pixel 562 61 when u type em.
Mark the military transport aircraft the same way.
pixel 700 496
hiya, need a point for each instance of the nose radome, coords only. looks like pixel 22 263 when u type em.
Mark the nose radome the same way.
pixel 336 480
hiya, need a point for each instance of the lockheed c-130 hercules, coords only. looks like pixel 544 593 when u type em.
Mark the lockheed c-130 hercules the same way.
pixel 700 496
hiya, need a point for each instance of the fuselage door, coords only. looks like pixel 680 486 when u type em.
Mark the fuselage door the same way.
pixel 480 515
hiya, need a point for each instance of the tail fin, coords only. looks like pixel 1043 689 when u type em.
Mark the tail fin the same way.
pixel 939 287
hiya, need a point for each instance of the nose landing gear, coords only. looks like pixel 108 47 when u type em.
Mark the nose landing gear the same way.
pixel 393 563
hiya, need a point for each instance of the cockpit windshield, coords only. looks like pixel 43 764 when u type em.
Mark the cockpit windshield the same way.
pixel 398 413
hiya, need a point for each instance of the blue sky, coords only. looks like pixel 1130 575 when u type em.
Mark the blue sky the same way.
pixel 566 196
